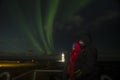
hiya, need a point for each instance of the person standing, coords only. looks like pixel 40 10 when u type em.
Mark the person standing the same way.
pixel 82 65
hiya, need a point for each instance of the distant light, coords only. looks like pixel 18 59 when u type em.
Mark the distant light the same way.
pixel 0 65
pixel 33 60
pixel 62 57
pixel 18 61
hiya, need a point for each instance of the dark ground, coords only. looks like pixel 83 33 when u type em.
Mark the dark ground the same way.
pixel 110 68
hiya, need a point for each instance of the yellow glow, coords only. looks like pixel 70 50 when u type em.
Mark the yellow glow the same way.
pixel 15 64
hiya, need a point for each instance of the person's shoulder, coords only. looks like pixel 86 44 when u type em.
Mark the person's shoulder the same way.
pixel 76 42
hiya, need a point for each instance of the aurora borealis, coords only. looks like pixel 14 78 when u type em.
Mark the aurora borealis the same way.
pixel 49 26
pixel 36 18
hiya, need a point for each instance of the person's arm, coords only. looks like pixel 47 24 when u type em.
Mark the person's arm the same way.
pixel 89 64
pixel 68 58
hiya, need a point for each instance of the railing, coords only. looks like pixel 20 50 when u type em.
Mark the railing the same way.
pixel 7 75
pixel 34 73
pixel 22 75
pixel 105 77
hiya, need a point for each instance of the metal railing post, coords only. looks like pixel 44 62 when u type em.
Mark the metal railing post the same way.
pixel 7 75
pixel 105 77
pixel 19 76
pixel 34 75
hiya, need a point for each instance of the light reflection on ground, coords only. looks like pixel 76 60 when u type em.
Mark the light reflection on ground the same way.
pixel 16 64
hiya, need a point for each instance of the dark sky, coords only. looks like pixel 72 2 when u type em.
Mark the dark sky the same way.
pixel 100 18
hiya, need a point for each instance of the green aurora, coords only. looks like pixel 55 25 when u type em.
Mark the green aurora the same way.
pixel 40 26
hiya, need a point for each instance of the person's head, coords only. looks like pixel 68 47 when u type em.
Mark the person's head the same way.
pixel 81 42
pixel 84 39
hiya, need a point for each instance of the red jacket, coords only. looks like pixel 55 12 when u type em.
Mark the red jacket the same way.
pixel 73 57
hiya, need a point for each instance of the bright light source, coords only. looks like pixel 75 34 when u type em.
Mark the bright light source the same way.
pixel 62 57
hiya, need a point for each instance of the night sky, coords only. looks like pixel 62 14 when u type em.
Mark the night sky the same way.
pixel 51 25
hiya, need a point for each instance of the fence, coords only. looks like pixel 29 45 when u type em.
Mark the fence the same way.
pixel 35 72
pixel 7 74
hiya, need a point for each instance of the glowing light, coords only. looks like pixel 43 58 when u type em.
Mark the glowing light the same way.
pixel 62 57
pixel 15 64
pixel 33 60
pixel 40 25
pixel 18 61
pixel 51 12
